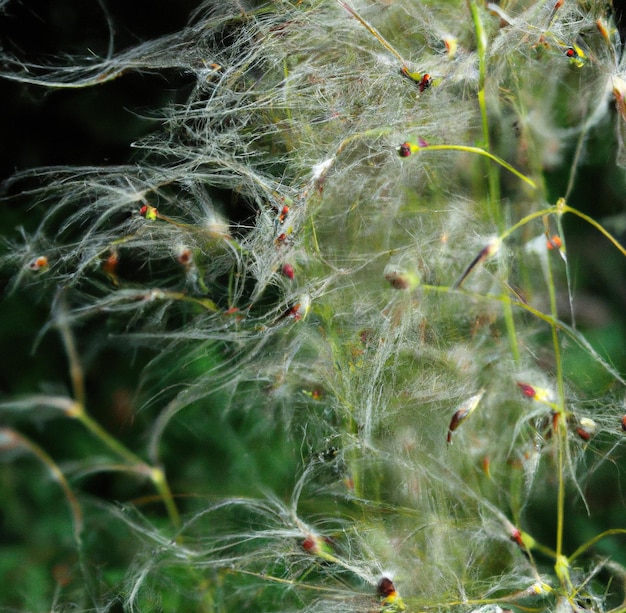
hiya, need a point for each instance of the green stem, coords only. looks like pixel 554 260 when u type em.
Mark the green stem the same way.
pixel 76 370
pixel 10 438
pixel 528 218
pixel 564 208
pixel 561 569
pixel 156 475
pixel 493 202
pixel 79 413
pixel 481 47
pixel 484 152
pixel 591 542
pixel 561 208
pixel 160 483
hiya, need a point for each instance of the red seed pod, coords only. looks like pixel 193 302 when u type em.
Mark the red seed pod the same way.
pixel 463 412
pixel 39 263
pixel 451 45
pixel 457 418
pixel 522 539
pixel 391 600
pixel 404 150
pixel 288 271
pixel 400 278
pixel 423 81
pixel 486 466
pixel 557 5
pixel 516 537
pixel 554 242
pixel 485 253
pixel 320 546
pixel 149 212
pixel 110 264
pixel 583 434
pixel 309 544
pixel 603 28
pixel 586 428
pixel 576 55
pixel 527 390
pixel 623 422
pixel 555 421
pixel 385 587
pixel 295 311
pixel 298 311
pixel 284 237
pixel 538 394
pixel 284 211
pixel 397 281
pixel 185 256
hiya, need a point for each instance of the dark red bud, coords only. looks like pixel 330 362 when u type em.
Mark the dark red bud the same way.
pixel 527 390
pixel 385 587
pixel 404 150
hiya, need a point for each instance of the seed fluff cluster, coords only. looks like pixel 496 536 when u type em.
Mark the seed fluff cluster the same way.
pixel 342 248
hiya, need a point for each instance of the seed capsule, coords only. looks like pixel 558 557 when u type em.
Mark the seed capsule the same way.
pixel 39 263
pixel 288 271
pixel 463 412
pixel 404 150
pixel 185 257
pixel 425 82
pixel 401 279
pixel 527 390
pixel 319 546
pixel 485 253
pixel 110 264
pixel 586 428
pixel 298 311
pixel 149 212
pixel 534 393
pixel 451 46
pixel 576 56
pixel 386 587
pixel 391 601
pixel 554 242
